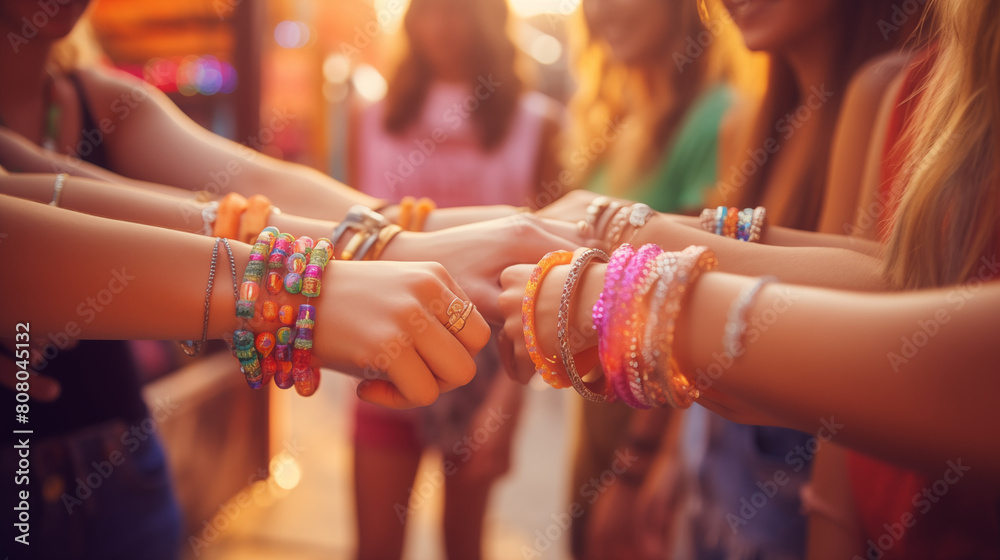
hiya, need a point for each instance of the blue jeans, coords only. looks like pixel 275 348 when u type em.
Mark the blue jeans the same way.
pixel 100 493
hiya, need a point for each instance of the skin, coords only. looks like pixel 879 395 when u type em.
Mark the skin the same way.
pixel 635 30
pixel 780 373
pixel 461 246
pixel 133 108
pixel 401 302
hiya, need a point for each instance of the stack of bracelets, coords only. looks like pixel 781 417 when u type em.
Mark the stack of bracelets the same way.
pixel 745 225
pixel 280 262
pixel 636 314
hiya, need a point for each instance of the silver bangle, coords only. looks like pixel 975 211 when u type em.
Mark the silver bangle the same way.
pixel 57 189
pixel 736 322
pixel 603 392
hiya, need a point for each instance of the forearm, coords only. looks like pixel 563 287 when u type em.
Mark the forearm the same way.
pixel 878 365
pixel 93 278
pixel 115 201
pixel 786 237
pixel 298 190
pixel 828 267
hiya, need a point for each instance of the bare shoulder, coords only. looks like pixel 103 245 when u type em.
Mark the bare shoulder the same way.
pixel 116 94
pixel 874 78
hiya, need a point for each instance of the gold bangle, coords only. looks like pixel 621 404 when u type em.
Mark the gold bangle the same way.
pixel 386 235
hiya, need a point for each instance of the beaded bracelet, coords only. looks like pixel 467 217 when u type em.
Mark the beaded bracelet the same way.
pixel 283 355
pixel 305 379
pixel 594 211
pixel 57 189
pixel 745 225
pixel 209 214
pixel 635 373
pixel 656 389
pixel 616 227
pixel 603 309
pixel 621 328
pixel 601 390
pixel 254 273
pixel 691 262
pixel 555 379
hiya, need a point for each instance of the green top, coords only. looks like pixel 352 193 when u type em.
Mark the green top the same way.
pixel 689 167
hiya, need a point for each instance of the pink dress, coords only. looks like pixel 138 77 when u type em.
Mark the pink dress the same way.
pixel 440 156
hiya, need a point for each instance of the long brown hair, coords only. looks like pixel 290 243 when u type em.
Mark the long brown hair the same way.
pixel 949 215
pixel 492 54
pixel 645 103
pixel 860 37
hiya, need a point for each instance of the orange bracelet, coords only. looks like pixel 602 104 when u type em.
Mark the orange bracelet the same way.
pixel 424 208
pixel 227 220
pixel 406 212
pixel 732 219
pixel 255 218
pixel 543 366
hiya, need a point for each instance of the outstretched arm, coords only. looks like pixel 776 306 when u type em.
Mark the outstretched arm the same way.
pixel 100 279
pixel 871 365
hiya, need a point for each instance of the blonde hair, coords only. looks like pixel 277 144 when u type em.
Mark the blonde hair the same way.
pixel 949 213
pixel 645 105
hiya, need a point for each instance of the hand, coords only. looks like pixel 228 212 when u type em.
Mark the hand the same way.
pixel 513 352
pixel 476 254
pixel 385 322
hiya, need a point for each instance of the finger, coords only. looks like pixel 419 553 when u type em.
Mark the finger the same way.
pixel 506 348
pixel 383 393
pixel 411 376
pixel 448 359
pixel 475 333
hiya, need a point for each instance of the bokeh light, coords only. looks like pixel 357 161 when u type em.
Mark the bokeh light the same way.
pixel 292 34
pixel 369 83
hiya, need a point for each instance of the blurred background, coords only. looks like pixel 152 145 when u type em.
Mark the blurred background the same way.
pixel 269 475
